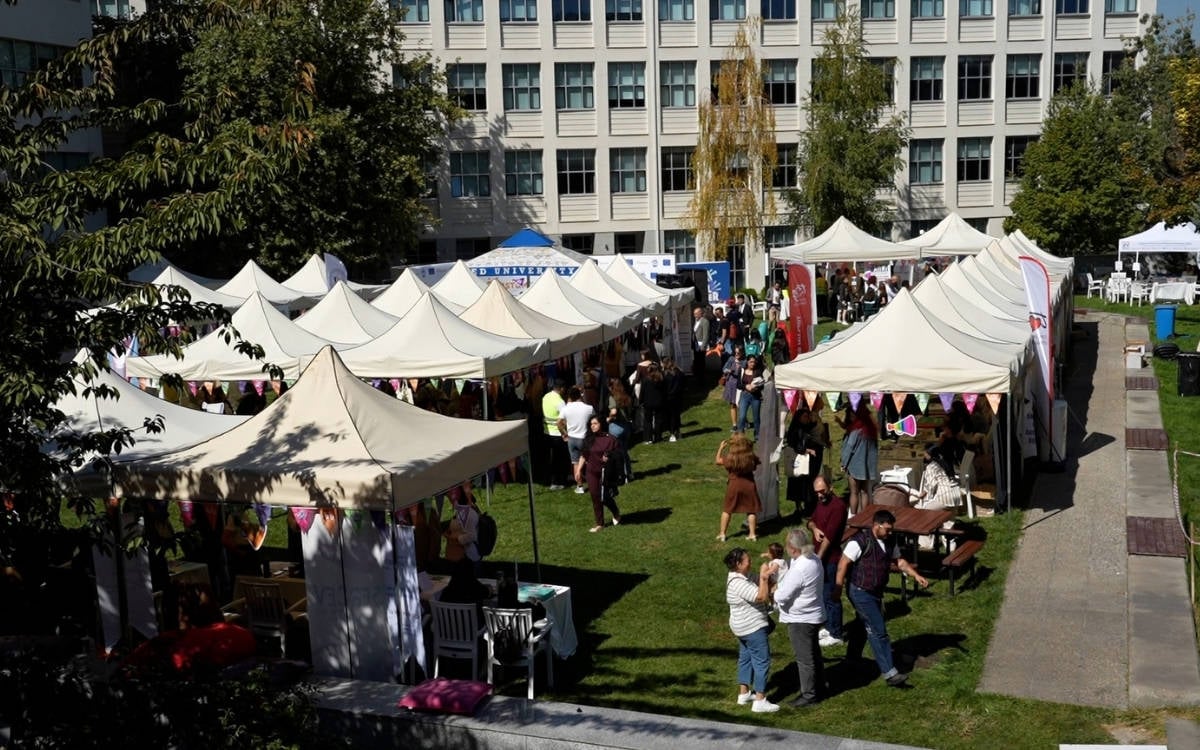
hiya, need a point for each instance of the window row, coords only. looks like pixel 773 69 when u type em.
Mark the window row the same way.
pixel 1022 75
pixel 580 11
pixel 17 58
pixel 974 159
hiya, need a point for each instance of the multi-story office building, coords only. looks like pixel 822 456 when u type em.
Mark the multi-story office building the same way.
pixel 583 118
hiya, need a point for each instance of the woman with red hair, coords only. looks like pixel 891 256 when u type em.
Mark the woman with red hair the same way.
pixel 860 456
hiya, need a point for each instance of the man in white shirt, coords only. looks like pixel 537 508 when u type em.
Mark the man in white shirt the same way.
pixel 800 598
pixel 574 417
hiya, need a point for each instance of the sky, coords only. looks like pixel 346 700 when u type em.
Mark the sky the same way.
pixel 1171 9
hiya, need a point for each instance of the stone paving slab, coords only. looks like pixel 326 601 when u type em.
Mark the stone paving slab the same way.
pixel 1148 485
pixel 1141 410
pixel 1155 536
pixel 1164 669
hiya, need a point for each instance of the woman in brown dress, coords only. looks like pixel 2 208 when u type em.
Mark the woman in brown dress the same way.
pixel 741 493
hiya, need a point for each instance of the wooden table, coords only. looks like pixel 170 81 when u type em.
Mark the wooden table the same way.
pixel 185 571
pixel 292 589
pixel 910 523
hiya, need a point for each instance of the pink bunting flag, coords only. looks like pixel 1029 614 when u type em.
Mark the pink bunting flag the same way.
pixel 259 385
pixel 832 398
pixel 395 384
pixel 304 518
pixel 855 400
pixel 969 399
pixel 898 399
pixel 947 399
pixel 791 397
pixel 187 513
pixel 876 400
pixel 923 401
pixel 193 386
pixel 810 398
pixel 993 400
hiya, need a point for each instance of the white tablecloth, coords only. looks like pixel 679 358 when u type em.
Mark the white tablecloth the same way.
pixel 1173 291
pixel 556 600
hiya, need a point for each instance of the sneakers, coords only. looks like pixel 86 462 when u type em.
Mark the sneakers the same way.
pixel 579 490
pixel 828 641
pixel 764 706
pixel 897 679
pixel 616 522
pixel 720 537
pixel 594 529
pixel 822 633
pixel 744 698
pixel 671 439
pixel 555 487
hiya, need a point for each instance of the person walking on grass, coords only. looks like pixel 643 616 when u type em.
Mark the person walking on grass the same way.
pixel 741 492
pixel 747 595
pixel 593 471
pixel 828 525
pixel 865 565
pixel 799 597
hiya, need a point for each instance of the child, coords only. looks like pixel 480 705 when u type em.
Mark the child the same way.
pixel 777 562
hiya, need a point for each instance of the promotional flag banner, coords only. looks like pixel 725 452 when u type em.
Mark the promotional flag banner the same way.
pixel 922 401
pixel 802 298
pixel 969 399
pixel 335 270
pixel 1041 323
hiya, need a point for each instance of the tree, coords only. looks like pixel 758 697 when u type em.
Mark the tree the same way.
pixel 735 156
pixel 852 147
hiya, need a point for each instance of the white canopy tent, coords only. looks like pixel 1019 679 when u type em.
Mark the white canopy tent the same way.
pixel 431 341
pixel 952 236
pixel 284 344
pixel 199 293
pixel 623 272
pixel 519 266
pixel 981 295
pixel 460 285
pixel 552 295
pixel 252 279
pixel 959 312
pixel 312 280
pixel 148 272
pixel 1065 266
pixel 405 292
pixel 1160 238
pixel 344 317
pixel 498 312
pixel 593 282
pixel 843 241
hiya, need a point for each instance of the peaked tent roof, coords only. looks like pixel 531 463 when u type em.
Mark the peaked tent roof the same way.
pixel 460 285
pixel 1065 266
pixel 252 279
pixel 146 273
pixel 332 440
pixel 845 242
pixel 1159 238
pixel 553 296
pixel 1014 293
pixel 623 272
pixel 952 236
pixel 311 280
pixel 958 312
pixel 900 349
pixel 526 260
pixel 405 292
pixel 980 294
pixel 199 293
pixel 210 358
pixel 596 284
pixel 343 316
pixel 431 341
pixel 498 312
pixel 527 238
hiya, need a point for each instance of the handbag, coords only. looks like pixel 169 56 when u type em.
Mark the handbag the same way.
pixel 800 464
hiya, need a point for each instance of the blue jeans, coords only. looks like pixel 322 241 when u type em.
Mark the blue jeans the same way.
pixel 833 604
pixel 754 660
pixel 870 612
pixel 748 404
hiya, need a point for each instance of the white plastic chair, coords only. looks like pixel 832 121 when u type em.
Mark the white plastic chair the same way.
pixel 964 480
pixel 520 624
pixel 1138 291
pixel 1118 287
pixel 1094 285
pixel 456 634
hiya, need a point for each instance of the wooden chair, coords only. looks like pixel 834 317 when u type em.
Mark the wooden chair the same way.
pixel 456 633
pixel 516 626
pixel 1094 285
pixel 267 612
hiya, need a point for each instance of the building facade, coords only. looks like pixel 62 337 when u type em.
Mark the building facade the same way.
pixel 582 117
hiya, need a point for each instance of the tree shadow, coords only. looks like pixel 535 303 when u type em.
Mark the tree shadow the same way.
pixel 645 517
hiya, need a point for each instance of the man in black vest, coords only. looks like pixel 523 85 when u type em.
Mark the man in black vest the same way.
pixel 866 562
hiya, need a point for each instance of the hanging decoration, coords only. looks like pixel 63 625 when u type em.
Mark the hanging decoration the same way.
pixel 993 400
pixel 898 400
pixel 790 398
pixel 922 401
pixel 947 399
pixel 211 512
pixel 304 518
pixel 832 398
pixel 356 518
pixel 969 399
pixel 329 519
pixel 810 398
pixel 187 513
pixel 855 399
pixel 876 400
pixel 259 385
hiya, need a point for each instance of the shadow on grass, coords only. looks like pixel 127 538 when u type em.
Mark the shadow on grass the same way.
pixel 700 431
pixel 656 471
pixel 645 517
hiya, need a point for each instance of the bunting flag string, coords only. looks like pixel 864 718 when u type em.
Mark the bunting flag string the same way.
pixel 947 399
pixel 898 400
pixel 993 400
pixel 855 399
pixel 923 401
pixel 969 399
pixel 810 398
pixel 791 397
pixel 304 518
pixel 329 519
pixel 832 398
pixel 876 400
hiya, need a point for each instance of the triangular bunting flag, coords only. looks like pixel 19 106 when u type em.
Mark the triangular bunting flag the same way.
pixel 263 511
pixel 259 385
pixel 922 401
pixel 395 384
pixel 257 536
pixel 947 399
pixel 855 400
pixel 832 398
pixel 898 400
pixel 187 512
pixel 304 518
pixel 876 400
pixel 993 400
pixel 329 519
pixel 790 398
pixel 810 398
pixel 969 399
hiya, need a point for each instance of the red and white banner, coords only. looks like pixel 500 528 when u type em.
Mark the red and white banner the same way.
pixel 1037 294
pixel 802 299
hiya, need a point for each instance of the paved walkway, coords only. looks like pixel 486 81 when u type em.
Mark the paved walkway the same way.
pixel 1121 633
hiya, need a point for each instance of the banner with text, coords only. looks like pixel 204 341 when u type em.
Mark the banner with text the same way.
pixel 803 301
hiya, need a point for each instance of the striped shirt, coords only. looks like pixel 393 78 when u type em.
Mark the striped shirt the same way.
pixel 746 615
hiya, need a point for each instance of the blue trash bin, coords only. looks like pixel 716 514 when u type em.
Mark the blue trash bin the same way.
pixel 1164 322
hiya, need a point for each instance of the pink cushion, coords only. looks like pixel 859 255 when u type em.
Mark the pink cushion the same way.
pixel 441 695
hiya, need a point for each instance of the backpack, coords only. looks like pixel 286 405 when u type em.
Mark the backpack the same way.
pixel 485 535
pixel 734 332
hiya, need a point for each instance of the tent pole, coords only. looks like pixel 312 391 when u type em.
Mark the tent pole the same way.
pixel 537 559
pixel 487 475
pixel 1008 454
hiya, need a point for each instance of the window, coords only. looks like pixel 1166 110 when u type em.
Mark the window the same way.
pixel 1069 68
pixel 411 74
pixel 978 223
pixel 1024 77
pixel 1024 7
pixel 925 161
pixel 573 86
pixel 111 8
pixel 779 10
pixel 1109 65
pixel 826 10
pixel 974 77
pixel 522 86
pixel 429 172
pixel 976 8
pixel 467 85
pixel 1120 6
pixel 629 242
pixel 577 171
pixel 18 58
pixel 727 10
pixel 928 8
pixel 580 243
pixel 469 174
pixel 974 159
pixel 1070 7
pixel 523 173
pixel 888 66
pixel 426 252
pixel 627 172
pixel 678 87
pixel 779 81
pixel 518 11
pixel 879 9
pixel 677 10
pixel 1014 155
pixel 627 85
pixel 623 10
pixel 787 166
pixel 572 10
pixel 926 82
pixel 736 255
pixel 681 243
pixel 412 11
pixel 918 227
pixel 471 247
pixel 774 237
pixel 464 11
pixel 677 169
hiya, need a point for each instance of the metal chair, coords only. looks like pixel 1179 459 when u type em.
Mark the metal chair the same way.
pixel 267 612
pixel 515 626
pixel 1094 285
pixel 456 633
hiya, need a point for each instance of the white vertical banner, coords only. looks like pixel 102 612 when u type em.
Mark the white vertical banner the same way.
pixel 1037 295
pixel 327 626
pixel 335 270
pixel 408 601
pixel 138 594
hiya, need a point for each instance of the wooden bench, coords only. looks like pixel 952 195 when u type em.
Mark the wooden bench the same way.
pixel 962 557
